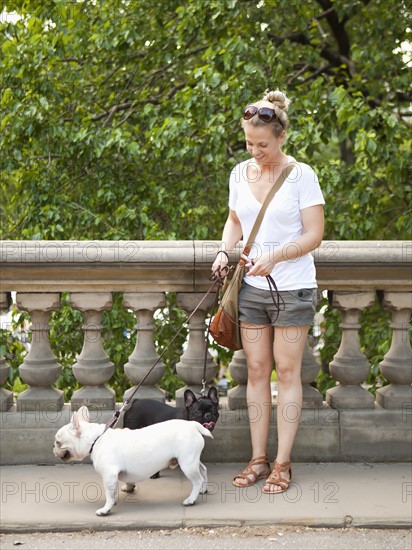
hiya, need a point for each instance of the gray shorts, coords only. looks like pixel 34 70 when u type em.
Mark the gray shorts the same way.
pixel 256 306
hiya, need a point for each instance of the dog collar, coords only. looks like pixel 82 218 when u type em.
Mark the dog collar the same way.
pixel 108 425
pixel 97 439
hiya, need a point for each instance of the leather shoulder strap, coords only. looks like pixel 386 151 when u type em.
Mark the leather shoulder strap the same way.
pixel 276 186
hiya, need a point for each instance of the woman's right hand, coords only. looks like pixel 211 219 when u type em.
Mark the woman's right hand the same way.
pixel 220 262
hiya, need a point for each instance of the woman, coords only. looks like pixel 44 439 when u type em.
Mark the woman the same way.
pixel 291 228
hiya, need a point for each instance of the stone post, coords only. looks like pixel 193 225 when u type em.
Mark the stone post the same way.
pixel 93 367
pixel 144 355
pixel 191 365
pixel 311 397
pixel 6 396
pixel 236 397
pixel 397 363
pixel 349 365
pixel 40 368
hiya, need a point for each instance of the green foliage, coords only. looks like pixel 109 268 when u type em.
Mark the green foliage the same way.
pixel 170 339
pixel 375 338
pixel 119 341
pixel 127 127
pixel 14 351
pixel 120 120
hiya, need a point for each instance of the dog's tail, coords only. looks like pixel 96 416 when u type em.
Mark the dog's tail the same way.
pixel 204 431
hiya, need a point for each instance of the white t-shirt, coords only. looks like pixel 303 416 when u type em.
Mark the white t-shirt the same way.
pixel 281 225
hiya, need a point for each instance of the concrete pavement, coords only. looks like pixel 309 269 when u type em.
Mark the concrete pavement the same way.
pixel 65 497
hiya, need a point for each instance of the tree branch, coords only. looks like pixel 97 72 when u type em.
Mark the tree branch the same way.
pixel 80 207
pixel 112 111
pixel 175 89
pixel 131 104
pixel 303 67
pixel 109 113
pixel 130 113
pixel 337 27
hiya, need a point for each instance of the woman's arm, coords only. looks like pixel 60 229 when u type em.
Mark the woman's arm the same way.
pixel 313 227
pixel 232 233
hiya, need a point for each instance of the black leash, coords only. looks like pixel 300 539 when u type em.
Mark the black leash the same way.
pixel 203 391
pixel 216 278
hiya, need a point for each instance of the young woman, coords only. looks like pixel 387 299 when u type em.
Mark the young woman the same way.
pixel 291 228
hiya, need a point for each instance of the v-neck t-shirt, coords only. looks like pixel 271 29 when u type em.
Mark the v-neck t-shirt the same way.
pixel 281 225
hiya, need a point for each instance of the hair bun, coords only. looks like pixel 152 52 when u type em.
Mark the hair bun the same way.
pixel 278 98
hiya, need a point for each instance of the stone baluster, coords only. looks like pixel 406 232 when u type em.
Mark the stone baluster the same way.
pixel 144 355
pixel 6 396
pixel 311 397
pixel 349 365
pixel 236 397
pixel 93 367
pixel 397 363
pixel 191 365
pixel 40 368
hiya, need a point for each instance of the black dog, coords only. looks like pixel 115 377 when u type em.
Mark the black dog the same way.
pixel 145 412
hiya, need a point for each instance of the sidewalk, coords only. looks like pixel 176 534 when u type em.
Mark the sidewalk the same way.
pixel 65 497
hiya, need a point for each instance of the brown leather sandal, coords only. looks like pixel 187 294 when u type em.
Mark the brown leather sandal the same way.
pixel 248 471
pixel 275 478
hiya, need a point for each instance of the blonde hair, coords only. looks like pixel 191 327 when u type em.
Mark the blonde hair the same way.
pixel 278 98
pixel 280 104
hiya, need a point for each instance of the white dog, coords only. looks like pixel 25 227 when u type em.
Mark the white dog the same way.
pixel 134 455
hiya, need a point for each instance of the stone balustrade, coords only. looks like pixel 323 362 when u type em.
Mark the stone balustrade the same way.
pixel 351 271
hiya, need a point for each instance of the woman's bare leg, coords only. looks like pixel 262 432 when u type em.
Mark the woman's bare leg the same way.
pixel 257 343
pixel 288 348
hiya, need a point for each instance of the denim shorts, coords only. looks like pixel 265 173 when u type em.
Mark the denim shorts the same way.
pixel 297 308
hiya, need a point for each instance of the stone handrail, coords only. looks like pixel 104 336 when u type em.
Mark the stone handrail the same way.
pixel 144 270
pixel 184 266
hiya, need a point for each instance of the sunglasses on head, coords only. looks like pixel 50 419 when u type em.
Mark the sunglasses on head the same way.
pixel 264 113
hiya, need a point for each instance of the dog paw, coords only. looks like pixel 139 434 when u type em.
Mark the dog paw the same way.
pixel 102 512
pixel 128 488
pixel 188 502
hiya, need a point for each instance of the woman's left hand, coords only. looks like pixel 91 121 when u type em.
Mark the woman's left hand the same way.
pixel 262 267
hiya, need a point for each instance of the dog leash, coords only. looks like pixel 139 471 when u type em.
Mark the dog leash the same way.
pixel 217 278
pixel 217 274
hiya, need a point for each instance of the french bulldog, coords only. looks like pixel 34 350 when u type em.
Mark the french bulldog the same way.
pixel 134 455
pixel 145 412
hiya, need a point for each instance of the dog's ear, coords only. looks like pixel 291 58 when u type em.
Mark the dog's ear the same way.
pixel 212 395
pixel 76 423
pixel 83 413
pixel 190 398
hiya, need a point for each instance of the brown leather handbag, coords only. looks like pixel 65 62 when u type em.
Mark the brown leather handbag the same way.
pixel 225 327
